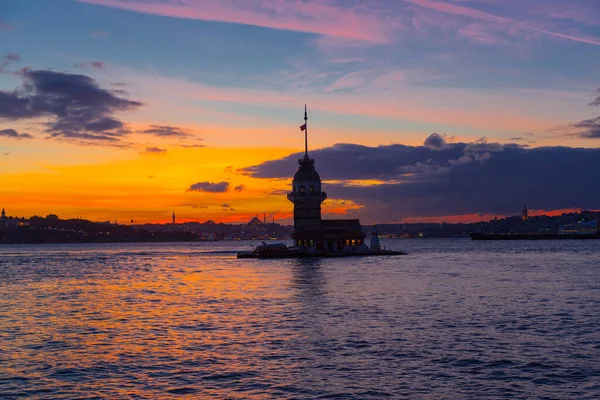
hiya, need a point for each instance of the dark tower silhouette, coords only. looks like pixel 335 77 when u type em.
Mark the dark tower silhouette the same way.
pixel 306 194
pixel 173 217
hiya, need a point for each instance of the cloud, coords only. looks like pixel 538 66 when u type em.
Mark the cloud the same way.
pixel 76 106
pixel 165 131
pixel 209 187
pixel 318 17
pixel 422 168
pixel 239 188
pixel 13 134
pixel 91 64
pixel 341 161
pixel 119 92
pixel 12 57
pixel 481 146
pixel 479 32
pixel 194 206
pixel 227 207
pixel 435 141
pixel 462 160
pixel 591 128
pixel 7 59
pixel 155 150
pixel 394 182
pixel 596 101
pixel 587 128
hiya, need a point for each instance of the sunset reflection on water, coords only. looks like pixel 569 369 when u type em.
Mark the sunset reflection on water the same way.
pixel 177 320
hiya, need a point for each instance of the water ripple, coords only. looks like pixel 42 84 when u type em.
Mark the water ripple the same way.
pixel 453 319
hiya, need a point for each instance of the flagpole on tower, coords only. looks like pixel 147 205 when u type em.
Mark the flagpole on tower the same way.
pixel 305 132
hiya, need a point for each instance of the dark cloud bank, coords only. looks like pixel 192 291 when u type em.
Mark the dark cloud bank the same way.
pixel 76 106
pixel 452 179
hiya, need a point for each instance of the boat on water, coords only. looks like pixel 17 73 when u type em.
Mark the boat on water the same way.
pixel 534 236
pixel 271 250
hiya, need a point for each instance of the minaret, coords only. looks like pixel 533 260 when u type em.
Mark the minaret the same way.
pixel 306 194
pixel 3 215
pixel 524 213
pixel 173 217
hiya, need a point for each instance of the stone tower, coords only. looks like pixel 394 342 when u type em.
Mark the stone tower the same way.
pixel 306 193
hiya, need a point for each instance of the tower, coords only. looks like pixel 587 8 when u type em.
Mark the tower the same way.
pixel 173 217
pixel 3 215
pixel 524 213
pixel 306 193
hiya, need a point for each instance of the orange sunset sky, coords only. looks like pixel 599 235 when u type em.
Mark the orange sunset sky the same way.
pixel 419 110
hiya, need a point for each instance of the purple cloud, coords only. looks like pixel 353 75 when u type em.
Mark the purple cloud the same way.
pixel 165 131
pixel 435 141
pixel 209 187
pixel 91 64
pixel 462 178
pixel 13 134
pixel 155 150
pixel 8 59
pixel 76 106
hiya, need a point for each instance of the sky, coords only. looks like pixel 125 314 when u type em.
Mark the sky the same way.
pixel 419 110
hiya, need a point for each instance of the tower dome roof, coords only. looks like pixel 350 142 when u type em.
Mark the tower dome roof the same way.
pixel 306 171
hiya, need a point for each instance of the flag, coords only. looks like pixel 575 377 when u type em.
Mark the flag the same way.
pixel 303 127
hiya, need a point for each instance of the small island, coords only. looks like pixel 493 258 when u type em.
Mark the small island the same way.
pixel 314 236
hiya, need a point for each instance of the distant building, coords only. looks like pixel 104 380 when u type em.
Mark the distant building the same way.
pixel 254 222
pixel 582 227
pixel 3 220
pixel 10 222
pixel 524 213
pixel 311 233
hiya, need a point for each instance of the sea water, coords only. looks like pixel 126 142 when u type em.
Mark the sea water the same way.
pixel 453 319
